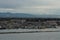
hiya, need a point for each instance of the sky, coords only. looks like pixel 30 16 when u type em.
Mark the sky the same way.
pixel 31 6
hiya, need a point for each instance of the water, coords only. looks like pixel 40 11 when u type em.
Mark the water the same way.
pixel 31 36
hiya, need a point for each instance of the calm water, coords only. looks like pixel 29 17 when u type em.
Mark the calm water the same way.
pixel 31 36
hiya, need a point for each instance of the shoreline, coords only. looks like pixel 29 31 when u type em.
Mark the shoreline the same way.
pixel 25 32
pixel 10 31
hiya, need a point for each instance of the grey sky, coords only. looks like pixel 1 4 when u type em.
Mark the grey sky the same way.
pixel 30 6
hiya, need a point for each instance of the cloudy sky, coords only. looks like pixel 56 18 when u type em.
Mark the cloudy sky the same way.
pixel 31 6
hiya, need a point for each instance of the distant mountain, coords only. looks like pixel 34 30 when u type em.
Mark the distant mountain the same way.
pixel 16 15
pixel 25 15
pixel 48 16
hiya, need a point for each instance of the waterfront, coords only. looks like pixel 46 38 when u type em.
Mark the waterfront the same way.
pixel 29 23
pixel 9 31
pixel 31 36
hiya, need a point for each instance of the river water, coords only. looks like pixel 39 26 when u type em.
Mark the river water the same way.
pixel 31 36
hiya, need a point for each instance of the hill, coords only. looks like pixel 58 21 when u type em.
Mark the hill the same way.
pixel 26 15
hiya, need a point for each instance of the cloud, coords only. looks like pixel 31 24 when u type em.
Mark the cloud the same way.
pixel 9 3
pixel 30 6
